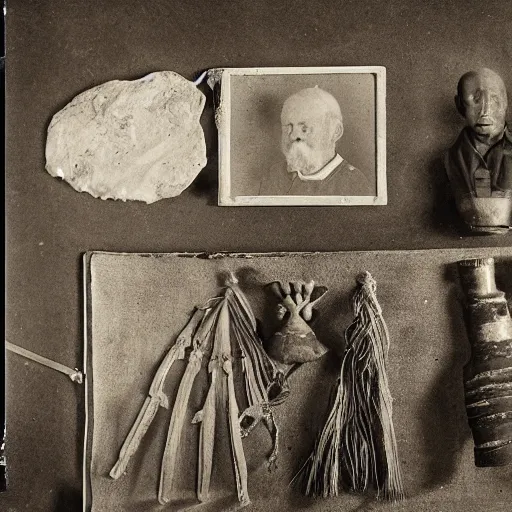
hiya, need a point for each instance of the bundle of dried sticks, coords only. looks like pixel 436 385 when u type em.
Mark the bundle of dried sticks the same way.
pixel 357 447
pixel 216 328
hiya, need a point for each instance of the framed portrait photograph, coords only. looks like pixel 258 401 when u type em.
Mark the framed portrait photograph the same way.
pixel 301 136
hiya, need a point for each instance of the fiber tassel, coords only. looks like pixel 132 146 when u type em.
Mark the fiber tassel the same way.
pixel 357 447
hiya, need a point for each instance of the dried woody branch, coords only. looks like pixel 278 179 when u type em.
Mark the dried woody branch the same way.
pixel 223 323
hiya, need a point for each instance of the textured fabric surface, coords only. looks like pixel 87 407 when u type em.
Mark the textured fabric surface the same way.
pixel 140 302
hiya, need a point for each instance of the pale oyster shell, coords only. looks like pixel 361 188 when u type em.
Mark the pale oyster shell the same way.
pixel 137 140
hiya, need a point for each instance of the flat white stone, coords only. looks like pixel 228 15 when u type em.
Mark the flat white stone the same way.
pixel 138 140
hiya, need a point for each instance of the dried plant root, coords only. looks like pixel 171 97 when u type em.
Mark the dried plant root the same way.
pixel 236 326
pixel 294 342
pixel 261 375
pixel 267 375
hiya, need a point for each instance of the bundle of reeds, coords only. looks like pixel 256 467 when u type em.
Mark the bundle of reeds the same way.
pixel 357 448
pixel 223 326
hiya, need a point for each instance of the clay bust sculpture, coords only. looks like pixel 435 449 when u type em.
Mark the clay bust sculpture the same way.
pixel 312 123
pixel 479 164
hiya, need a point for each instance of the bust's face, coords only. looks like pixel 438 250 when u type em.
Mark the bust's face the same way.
pixel 307 138
pixel 484 103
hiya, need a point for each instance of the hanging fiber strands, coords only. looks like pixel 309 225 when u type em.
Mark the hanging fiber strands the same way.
pixel 223 328
pixel 265 383
pixel 357 448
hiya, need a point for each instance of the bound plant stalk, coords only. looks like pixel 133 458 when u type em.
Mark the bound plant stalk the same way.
pixel 157 397
pixel 201 344
pixel 221 329
pixel 488 379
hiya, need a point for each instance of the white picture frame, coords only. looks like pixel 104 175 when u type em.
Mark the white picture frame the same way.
pixel 248 108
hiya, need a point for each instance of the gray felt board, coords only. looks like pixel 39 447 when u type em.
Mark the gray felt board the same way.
pixel 138 303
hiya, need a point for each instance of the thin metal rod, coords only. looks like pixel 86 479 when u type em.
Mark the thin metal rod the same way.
pixel 74 374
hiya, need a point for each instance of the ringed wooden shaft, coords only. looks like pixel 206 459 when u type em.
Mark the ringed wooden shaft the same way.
pixel 478 278
pixel 488 387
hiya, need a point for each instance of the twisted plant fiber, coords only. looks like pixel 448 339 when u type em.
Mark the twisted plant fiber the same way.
pixel 357 447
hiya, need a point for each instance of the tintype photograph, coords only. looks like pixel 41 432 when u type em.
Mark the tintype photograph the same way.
pixel 302 136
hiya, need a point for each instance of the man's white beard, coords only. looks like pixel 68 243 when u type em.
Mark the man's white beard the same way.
pixel 303 159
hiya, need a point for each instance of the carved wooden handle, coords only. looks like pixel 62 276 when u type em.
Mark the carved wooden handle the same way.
pixel 488 387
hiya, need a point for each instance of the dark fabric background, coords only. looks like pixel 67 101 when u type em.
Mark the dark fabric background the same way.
pixel 58 48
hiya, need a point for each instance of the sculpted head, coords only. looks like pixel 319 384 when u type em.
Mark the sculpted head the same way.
pixel 311 124
pixel 482 100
